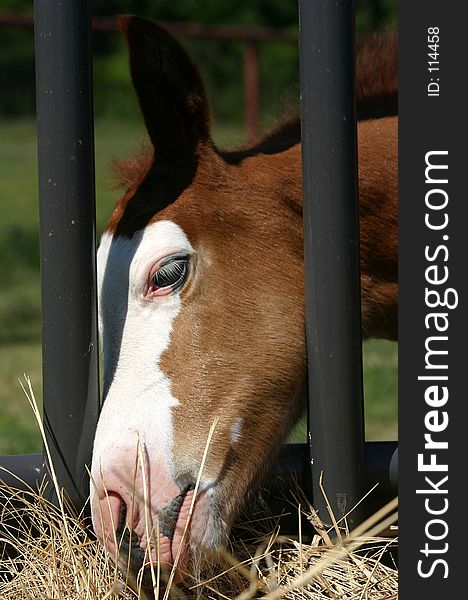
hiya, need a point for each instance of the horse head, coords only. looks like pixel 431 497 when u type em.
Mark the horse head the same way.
pixel 201 307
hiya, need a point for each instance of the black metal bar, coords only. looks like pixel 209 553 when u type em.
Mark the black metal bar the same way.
pixel 67 228
pixel 21 471
pixel 331 247
pixel 293 463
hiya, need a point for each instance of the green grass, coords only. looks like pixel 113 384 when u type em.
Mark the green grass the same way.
pixel 381 389
pixel 20 291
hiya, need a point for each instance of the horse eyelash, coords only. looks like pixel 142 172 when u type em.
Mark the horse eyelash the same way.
pixel 171 270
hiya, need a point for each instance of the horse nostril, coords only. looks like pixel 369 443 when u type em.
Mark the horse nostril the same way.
pixel 115 533
pixel 122 517
pixel 113 511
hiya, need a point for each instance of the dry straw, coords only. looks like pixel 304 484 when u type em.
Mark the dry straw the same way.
pixel 47 553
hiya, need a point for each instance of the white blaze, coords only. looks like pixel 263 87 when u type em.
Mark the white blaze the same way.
pixel 135 332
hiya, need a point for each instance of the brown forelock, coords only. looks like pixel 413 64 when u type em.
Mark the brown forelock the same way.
pixel 128 173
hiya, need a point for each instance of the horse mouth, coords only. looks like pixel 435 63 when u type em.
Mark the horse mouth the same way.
pixel 169 515
pixel 171 524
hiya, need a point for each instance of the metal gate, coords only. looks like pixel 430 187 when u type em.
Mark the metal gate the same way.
pixel 331 240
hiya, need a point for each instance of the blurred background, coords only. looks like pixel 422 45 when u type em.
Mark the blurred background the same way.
pixel 248 57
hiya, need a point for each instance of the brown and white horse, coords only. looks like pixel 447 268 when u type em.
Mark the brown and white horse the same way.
pixel 201 302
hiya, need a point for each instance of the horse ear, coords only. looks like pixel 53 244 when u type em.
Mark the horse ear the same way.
pixel 169 89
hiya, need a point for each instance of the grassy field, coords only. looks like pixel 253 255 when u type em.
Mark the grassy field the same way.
pixel 20 292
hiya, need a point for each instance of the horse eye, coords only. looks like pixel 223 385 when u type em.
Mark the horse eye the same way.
pixel 171 273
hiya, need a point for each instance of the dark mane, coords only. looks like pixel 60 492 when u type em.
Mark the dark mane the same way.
pixel 280 138
pixel 377 76
pixel 376 97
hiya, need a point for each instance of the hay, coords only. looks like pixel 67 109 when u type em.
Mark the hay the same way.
pixel 46 552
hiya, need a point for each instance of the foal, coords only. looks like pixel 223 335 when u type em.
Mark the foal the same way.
pixel 201 300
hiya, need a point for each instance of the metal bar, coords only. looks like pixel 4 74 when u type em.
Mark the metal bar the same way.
pixel 381 467
pixel 381 460
pixel 252 89
pixel 21 471
pixel 331 247
pixel 67 236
